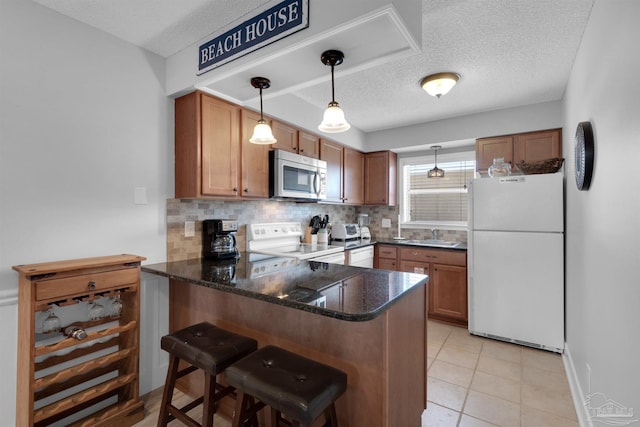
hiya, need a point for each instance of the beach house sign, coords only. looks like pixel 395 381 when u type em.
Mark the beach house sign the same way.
pixel 276 22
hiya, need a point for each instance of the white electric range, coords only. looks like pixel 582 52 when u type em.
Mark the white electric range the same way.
pixel 283 239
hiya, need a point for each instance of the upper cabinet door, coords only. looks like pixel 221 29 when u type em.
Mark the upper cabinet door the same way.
pixel 488 149
pixel 380 178
pixel 255 160
pixel 220 124
pixel 535 146
pixel 528 147
pixel 331 152
pixel 286 135
pixel 353 177
pixel 309 145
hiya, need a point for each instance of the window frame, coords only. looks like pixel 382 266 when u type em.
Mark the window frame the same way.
pixel 467 155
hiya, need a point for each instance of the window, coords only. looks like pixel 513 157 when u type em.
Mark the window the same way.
pixel 436 202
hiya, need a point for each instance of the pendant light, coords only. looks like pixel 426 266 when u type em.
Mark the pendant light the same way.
pixel 333 120
pixel 262 133
pixel 436 172
pixel 439 84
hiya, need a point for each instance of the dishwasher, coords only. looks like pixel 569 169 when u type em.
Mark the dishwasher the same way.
pixel 361 257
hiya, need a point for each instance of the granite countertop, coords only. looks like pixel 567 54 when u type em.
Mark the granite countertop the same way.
pixel 414 243
pixel 353 244
pixel 338 291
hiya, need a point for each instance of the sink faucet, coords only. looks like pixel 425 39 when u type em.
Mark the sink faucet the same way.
pixel 434 233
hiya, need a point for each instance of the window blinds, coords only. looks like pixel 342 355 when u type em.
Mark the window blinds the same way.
pixel 438 199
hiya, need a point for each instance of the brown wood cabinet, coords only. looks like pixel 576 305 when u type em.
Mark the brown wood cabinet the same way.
pixel 207 146
pixel 59 375
pixel 353 178
pixel 448 296
pixel 213 156
pixel 380 178
pixel 332 153
pixel 294 140
pixel 345 173
pixel 385 257
pixel 488 149
pixel 255 160
pixel 528 147
pixel 287 136
pixel 447 272
pixel 308 144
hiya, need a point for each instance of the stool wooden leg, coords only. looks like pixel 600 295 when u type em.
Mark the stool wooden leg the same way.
pixel 275 417
pixel 245 413
pixel 167 394
pixel 330 416
pixel 209 406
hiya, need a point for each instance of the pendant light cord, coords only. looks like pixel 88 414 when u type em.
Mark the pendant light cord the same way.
pixel 261 116
pixel 333 88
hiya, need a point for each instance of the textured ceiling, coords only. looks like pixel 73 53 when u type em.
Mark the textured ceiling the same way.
pixel 508 52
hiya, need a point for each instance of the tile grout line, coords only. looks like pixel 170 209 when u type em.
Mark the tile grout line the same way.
pixel 466 397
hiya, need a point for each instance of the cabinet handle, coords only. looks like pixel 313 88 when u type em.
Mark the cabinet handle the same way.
pixel 92 286
pixel 302 150
pixel 246 190
pixel 235 189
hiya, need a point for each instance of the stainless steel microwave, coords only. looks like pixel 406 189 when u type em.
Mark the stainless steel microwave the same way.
pixel 292 176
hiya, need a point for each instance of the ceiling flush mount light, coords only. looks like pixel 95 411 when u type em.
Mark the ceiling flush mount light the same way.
pixel 436 172
pixel 262 133
pixel 439 84
pixel 333 120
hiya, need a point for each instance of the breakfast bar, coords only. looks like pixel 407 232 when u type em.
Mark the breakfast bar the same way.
pixel 368 323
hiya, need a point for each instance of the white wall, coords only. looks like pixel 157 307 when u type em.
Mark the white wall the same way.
pixel 603 242
pixel 84 120
pixel 546 115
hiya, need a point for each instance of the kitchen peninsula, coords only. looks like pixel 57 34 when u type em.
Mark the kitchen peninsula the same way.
pixel 369 323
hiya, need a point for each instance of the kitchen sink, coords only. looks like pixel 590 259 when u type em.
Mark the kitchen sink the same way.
pixel 429 242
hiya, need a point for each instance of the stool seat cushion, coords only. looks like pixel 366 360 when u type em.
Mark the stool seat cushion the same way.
pixel 296 386
pixel 208 347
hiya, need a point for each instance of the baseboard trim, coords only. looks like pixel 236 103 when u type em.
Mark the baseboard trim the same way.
pixel 576 391
pixel 8 297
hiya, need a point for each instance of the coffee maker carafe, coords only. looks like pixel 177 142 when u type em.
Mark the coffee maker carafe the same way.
pixel 218 238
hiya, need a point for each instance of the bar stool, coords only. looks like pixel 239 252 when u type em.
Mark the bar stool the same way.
pixel 291 385
pixel 210 349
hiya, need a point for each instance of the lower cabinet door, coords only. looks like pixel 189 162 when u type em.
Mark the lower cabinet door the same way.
pixel 448 293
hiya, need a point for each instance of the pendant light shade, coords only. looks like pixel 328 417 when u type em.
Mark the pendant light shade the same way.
pixel 333 120
pixel 262 133
pixel 439 84
pixel 436 172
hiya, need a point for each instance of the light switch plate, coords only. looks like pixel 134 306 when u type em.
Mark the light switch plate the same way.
pixel 189 228
pixel 386 223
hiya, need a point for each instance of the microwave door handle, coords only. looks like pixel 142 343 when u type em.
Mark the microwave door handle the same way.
pixel 316 183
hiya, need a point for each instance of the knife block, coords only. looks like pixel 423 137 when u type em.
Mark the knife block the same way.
pixel 308 237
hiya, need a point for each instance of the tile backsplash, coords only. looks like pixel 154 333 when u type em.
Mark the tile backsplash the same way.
pixel 246 212
pixel 180 247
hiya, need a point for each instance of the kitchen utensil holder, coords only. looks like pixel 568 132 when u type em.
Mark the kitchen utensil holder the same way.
pixel 310 238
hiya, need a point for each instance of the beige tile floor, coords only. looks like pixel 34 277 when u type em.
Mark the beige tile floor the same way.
pixel 472 382
pixel 476 382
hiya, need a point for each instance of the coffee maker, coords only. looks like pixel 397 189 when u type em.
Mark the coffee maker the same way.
pixel 218 238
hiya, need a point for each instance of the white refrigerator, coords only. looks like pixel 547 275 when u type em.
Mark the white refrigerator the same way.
pixel 516 259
